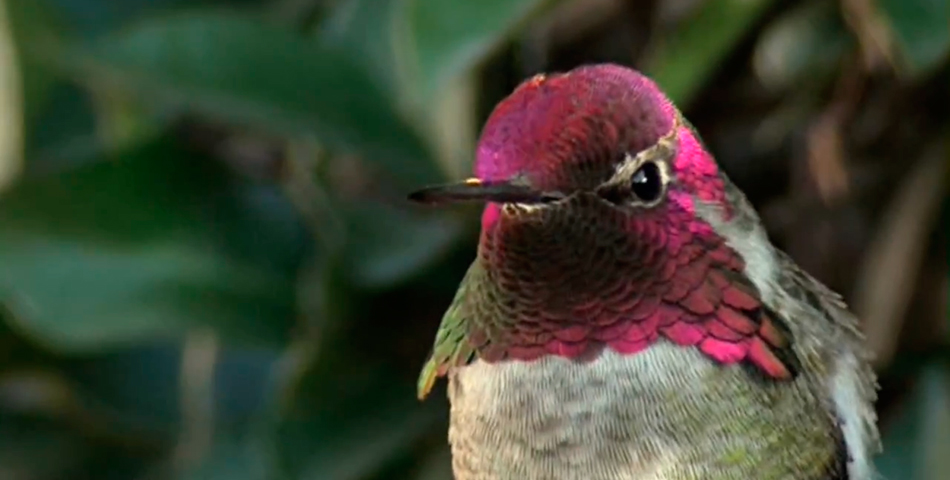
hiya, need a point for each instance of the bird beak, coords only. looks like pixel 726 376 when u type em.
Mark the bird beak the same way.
pixel 476 190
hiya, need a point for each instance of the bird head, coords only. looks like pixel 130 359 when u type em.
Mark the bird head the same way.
pixel 600 143
pixel 600 227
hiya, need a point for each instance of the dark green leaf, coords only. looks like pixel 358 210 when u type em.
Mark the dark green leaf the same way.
pixel 149 245
pixel 234 458
pixel 93 17
pixel 244 71
pixel 917 443
pixel 60 126
pixel 369 29
pixel 138 391
pixel 353 423
pixel 135 391
pixel 944 226
pixel 40 450
pixel 922 28
pixel 446 37
pixel 387 244
pixel 244 386
pixel 33 21
pixel 63 136
pixel 693 50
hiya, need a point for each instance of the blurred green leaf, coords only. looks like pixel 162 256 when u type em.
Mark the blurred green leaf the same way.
pixel 142 248
pixel 446 37
pixel 422 50
pixel 691 53
pixel 234 458
pixel 31 22
pixel 59 119
pixel 244 387
pixel 432 41
pixel 137 392
pixel 805 44
pixel 93 17
pixel 922 29
pixel 63 136
pixel 134 390
pixel 917 444
pixel 945 224
pixel 243 71
pixel 353 422
pixel 121 121
pixel 369 30
pixel 388 244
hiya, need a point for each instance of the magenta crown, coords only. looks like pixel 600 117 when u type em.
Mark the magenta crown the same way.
pixel 566 130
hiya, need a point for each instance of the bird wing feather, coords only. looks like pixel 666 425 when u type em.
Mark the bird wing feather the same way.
pixel 452 346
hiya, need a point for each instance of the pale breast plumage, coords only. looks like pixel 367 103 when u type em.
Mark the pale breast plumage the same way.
pixel 666 413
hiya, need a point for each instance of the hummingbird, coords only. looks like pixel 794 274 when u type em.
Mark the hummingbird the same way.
pixel 626 316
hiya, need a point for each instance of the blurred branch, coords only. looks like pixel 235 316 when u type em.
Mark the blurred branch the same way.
pixel 292 368
pixel 886 278
pixel 454 125
pixel 198 361
pixel 34 392
pixel 304 159
pixel 11 103
pixel 826 150
pixel 933 457
pixel 874 37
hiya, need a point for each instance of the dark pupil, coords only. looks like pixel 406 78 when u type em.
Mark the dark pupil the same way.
pixel 646 182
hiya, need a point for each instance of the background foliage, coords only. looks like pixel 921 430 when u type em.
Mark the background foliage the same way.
pixel 208 269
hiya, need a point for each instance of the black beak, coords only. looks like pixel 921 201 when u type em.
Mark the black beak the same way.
pixel 475 190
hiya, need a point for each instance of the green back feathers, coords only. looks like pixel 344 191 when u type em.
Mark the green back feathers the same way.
pixel 452 346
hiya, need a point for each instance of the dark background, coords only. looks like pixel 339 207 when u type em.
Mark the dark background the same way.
pixel 208 269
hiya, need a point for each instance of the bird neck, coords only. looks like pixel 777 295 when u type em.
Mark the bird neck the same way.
pixel 571 292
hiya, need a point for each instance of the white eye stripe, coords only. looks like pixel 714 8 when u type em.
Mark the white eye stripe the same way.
pixel 631 164
pixel 660 153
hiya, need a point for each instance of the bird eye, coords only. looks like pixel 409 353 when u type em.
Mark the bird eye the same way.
pixel 646 183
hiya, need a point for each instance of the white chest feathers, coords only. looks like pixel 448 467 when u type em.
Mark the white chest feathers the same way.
pixel 665 413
